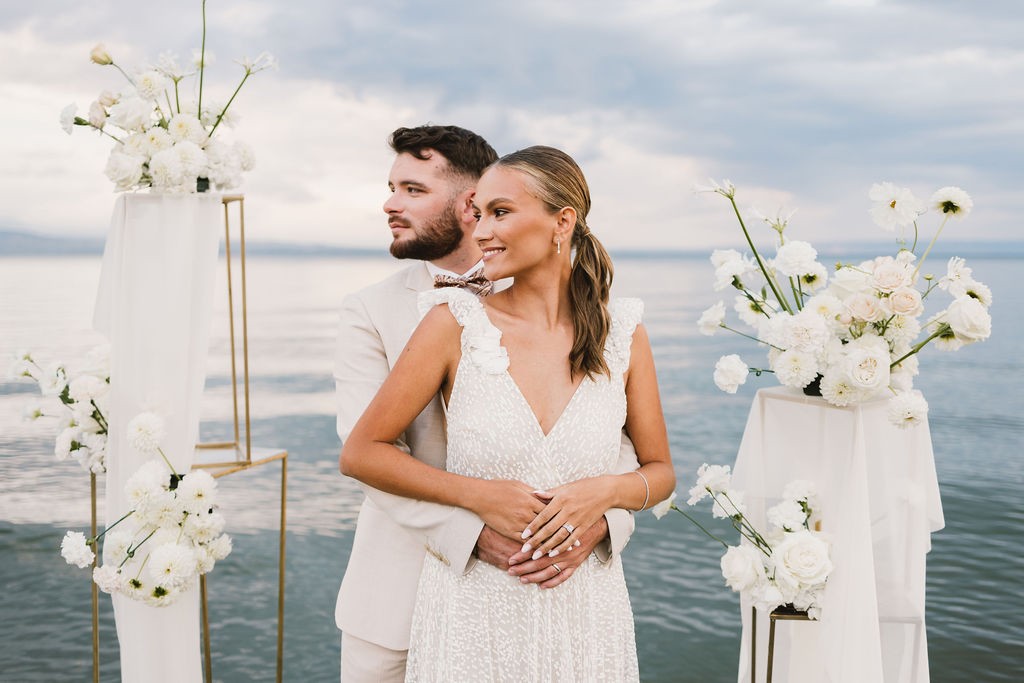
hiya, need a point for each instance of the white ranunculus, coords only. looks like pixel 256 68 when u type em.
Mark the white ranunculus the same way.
pixel 787 515
pixel 711 319
pixel 969 319
pixel 865 307
pixel 145 432
pixel 907 408
pixel 125 170
pixel 906 301
pixel 801 560
pixel 150 84
pixel 952 201
pixel 894 207
pixel 730 373
pixel 75 549
pixel 710 479
pixel 796 258
pixel 867 363
pixel 795 368
pixel 132 114
pixel 99 55
pixel 742 568
pixel 662 508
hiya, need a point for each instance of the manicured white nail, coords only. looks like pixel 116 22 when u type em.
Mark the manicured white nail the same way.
pixel 526 548
pixel 553 552
pixel 526 534
pixel 536 555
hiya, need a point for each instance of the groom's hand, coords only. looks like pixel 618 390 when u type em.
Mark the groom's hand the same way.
pixel 543 570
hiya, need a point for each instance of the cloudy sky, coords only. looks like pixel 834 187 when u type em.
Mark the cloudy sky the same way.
pixel 802 103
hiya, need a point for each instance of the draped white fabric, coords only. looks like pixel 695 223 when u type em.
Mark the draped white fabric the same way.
pixel 879 497
pixel 154 305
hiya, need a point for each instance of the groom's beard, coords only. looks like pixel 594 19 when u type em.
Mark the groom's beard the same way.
pixel 435 238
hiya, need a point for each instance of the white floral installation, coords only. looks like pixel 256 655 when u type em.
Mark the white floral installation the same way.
pixel 855 335
pixel 174 515
pixel 76 400
pixel 162 141
pixel 789 566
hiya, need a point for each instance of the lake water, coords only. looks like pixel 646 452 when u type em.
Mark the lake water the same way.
pixel 687 620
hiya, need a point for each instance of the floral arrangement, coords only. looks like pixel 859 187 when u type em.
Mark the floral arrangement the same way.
pixel 788 566
pixel 76 400
pixel 854 334
pixel 177 533
pixel 161 140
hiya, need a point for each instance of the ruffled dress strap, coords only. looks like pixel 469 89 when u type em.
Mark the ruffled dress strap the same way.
pixel 626 314
pixel 481 340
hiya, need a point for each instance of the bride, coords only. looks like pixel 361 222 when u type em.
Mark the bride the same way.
pixel 538 382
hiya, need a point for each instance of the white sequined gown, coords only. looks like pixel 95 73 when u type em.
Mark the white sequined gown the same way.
pixel 485 626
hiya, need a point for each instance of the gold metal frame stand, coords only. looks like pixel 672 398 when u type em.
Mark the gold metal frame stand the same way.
pixel 777 614
pixel 228 457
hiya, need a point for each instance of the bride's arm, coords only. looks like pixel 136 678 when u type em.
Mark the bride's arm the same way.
pixel 581 503
pixel 426 365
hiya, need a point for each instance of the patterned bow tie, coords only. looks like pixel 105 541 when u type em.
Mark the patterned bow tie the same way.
pixel 474 282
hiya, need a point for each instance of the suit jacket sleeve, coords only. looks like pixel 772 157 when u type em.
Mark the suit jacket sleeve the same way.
pixel 620 522
pixel 361 365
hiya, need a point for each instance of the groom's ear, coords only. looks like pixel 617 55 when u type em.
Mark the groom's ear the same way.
pixel 464 205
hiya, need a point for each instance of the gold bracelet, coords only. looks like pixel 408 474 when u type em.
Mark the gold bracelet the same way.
pixel 647 489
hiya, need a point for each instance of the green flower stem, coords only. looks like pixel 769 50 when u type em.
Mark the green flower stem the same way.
pixel 104 532
pixel 79 121
pixel 771 281
pixel 224 111
pixel 914 245
pixel 202 66
pixel 118 67
pixel 169 465
pixel 743 334
pixel 942 329
pixel 931 244
pixel 700 526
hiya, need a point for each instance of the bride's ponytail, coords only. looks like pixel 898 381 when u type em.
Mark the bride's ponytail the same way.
pixel 559 183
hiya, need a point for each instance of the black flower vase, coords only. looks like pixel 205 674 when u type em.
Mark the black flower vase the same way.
pixel 202 184
pixel 814 388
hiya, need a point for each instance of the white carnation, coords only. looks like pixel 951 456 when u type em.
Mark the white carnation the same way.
pixel 124 170
pixel 132 114
pixel 86 388
pixel 108 578
pixel 220 547
pixel 730 373
pixel 710 479
pixel 728 503
pixel 662 508
pixel 75 549
pixel 67 118
pixel 711 319
pixel 796 258
pixel 788 515
pixel 907 408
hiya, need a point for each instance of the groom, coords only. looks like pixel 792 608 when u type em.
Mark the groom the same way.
pixel 432 182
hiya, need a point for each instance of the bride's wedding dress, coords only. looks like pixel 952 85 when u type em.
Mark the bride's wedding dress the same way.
pixel 486 626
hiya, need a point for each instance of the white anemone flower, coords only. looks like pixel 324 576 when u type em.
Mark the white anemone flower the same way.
pixel 952 201
pixel 895 207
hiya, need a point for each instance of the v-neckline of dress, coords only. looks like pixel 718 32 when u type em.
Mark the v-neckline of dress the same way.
pixel 519 392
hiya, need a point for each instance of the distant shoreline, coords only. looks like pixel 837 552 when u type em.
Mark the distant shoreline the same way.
pixel 21 244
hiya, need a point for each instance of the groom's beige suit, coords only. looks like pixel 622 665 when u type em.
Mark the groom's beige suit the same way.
pixel 393 534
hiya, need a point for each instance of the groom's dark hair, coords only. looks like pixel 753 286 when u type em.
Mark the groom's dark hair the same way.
pixel 467 153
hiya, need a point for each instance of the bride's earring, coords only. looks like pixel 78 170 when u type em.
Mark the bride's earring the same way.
pixel 558 245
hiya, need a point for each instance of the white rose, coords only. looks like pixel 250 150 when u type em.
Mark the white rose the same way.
pixel 864 307
pixel 711 319
pixel 132 114
pixel 867 363
pixel 906 301
pixel 730 373
pixel 890 275
pixel 99 55
pixel 796 258
pixel 742 568
pixel 801 560
pixel 848 281
pixel 969 319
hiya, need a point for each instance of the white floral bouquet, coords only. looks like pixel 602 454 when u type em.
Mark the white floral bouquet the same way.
pixel 161 140
pixel 790 565
pixel 854 334
pixel 76 400
pixel 174 535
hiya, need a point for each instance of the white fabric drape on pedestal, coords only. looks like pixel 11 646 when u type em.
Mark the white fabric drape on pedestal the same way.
pixel 154 305
pixel 879 498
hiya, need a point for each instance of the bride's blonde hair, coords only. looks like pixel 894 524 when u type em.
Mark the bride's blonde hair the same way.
pixel 558 182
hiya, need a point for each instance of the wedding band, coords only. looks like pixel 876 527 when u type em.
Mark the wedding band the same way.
pixel 569 527
pixel 558 569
